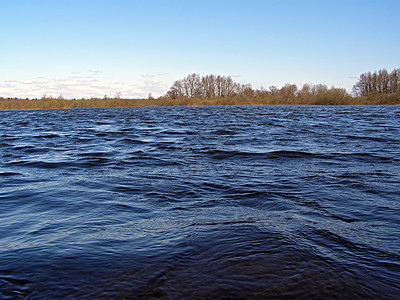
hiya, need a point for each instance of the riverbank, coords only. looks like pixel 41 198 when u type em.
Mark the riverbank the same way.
pixel 55 103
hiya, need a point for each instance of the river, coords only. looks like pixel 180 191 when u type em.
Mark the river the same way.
pixel 230 202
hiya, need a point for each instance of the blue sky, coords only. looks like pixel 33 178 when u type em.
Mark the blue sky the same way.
pixel 92 48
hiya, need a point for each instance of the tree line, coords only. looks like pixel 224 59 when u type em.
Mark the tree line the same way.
pixel 215 86
pixel 210 86
pixel 378 82
pixel 379 87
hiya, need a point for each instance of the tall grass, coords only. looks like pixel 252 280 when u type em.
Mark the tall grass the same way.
pixel 320 99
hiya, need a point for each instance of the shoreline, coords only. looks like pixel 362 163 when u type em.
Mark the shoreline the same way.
pixel 42 104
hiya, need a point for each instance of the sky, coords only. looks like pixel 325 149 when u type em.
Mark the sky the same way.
pixel 93 48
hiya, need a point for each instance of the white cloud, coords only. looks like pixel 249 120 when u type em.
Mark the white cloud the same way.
pixel 79 85
pixel 27 82
pixel 156 87
pixel 145 75
pixel 88 79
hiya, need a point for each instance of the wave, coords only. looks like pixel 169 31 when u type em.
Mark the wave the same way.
pixel 225 154
pixel 243 202
pixel 6 174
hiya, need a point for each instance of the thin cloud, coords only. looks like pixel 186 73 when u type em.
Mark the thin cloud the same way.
pixel 7 85
pixel 76 85
pixel 145 75
pixel 29 82
pixel 94 71
pixel 87 80
pixel 156 87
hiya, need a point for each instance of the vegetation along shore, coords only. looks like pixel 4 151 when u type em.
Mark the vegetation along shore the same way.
pixel 377 88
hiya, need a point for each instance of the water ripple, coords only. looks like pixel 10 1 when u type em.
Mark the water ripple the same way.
pixel 200 203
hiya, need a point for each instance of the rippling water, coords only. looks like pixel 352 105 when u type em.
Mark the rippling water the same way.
pixel 200 203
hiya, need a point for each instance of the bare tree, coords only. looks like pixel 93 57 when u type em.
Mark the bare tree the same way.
pixel 273 90
pixel 394 81
pixel 288 91
pixel 176 91
pixel 208 83
pixel 381 82
pixel 210 86
pixel 192 85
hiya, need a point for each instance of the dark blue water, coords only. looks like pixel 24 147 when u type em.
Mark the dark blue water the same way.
pixel 200 203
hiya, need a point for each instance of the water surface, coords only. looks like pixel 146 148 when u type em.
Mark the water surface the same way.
pixel 200 203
